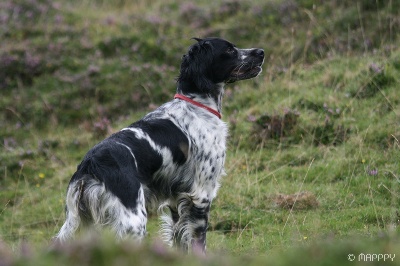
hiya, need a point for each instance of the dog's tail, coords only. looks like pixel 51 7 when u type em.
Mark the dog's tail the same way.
pixel 84 205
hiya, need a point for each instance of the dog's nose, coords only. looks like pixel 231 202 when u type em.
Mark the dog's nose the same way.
pixel 259 52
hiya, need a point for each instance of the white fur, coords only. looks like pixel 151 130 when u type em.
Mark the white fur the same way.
pixel 105 209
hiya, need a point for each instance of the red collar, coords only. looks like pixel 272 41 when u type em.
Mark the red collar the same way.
pixel 215 112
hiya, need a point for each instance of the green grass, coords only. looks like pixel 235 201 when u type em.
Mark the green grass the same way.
pixel 323 118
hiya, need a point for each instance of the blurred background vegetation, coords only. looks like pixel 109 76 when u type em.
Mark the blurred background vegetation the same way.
pixel 314 141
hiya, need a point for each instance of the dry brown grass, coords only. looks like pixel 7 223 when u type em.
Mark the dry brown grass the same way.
pixel 298 201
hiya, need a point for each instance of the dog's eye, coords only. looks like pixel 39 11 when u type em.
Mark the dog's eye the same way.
pixel 230 50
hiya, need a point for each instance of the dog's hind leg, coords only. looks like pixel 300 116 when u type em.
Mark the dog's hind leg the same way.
pixel 129 222
pixel 89 203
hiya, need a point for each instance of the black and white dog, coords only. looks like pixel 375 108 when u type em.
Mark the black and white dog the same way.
pixel 173 157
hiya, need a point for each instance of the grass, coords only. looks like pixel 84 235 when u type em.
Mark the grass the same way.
pixel 313 157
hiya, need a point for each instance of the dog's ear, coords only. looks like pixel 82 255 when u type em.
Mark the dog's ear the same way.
pixel 196 66
pixel 201 72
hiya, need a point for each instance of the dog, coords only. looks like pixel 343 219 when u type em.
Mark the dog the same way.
pixel 173 157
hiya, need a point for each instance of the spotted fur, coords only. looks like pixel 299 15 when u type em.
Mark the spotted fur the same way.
pixel 172 158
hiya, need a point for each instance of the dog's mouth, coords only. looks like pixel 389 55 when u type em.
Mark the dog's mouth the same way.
pixel 244 71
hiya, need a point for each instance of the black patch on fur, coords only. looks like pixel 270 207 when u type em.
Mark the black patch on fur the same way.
pixel 113 165
pixel 166 134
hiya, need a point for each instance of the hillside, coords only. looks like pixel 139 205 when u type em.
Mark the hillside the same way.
pixel 313 158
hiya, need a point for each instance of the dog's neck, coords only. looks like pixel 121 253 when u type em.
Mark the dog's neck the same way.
pixel 212 99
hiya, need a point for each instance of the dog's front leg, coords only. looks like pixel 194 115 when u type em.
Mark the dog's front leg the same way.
pixel 192 225
pixel 200 225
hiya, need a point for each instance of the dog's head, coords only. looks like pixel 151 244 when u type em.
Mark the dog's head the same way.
pixel 213 61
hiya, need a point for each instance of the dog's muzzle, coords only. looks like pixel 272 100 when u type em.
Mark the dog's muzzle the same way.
pixel 249 65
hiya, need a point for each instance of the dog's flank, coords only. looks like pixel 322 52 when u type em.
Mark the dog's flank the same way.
pixel 172 158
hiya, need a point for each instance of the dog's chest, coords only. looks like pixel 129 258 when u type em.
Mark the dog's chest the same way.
pixel 206 148
pixel 207 144
pixel 206 156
